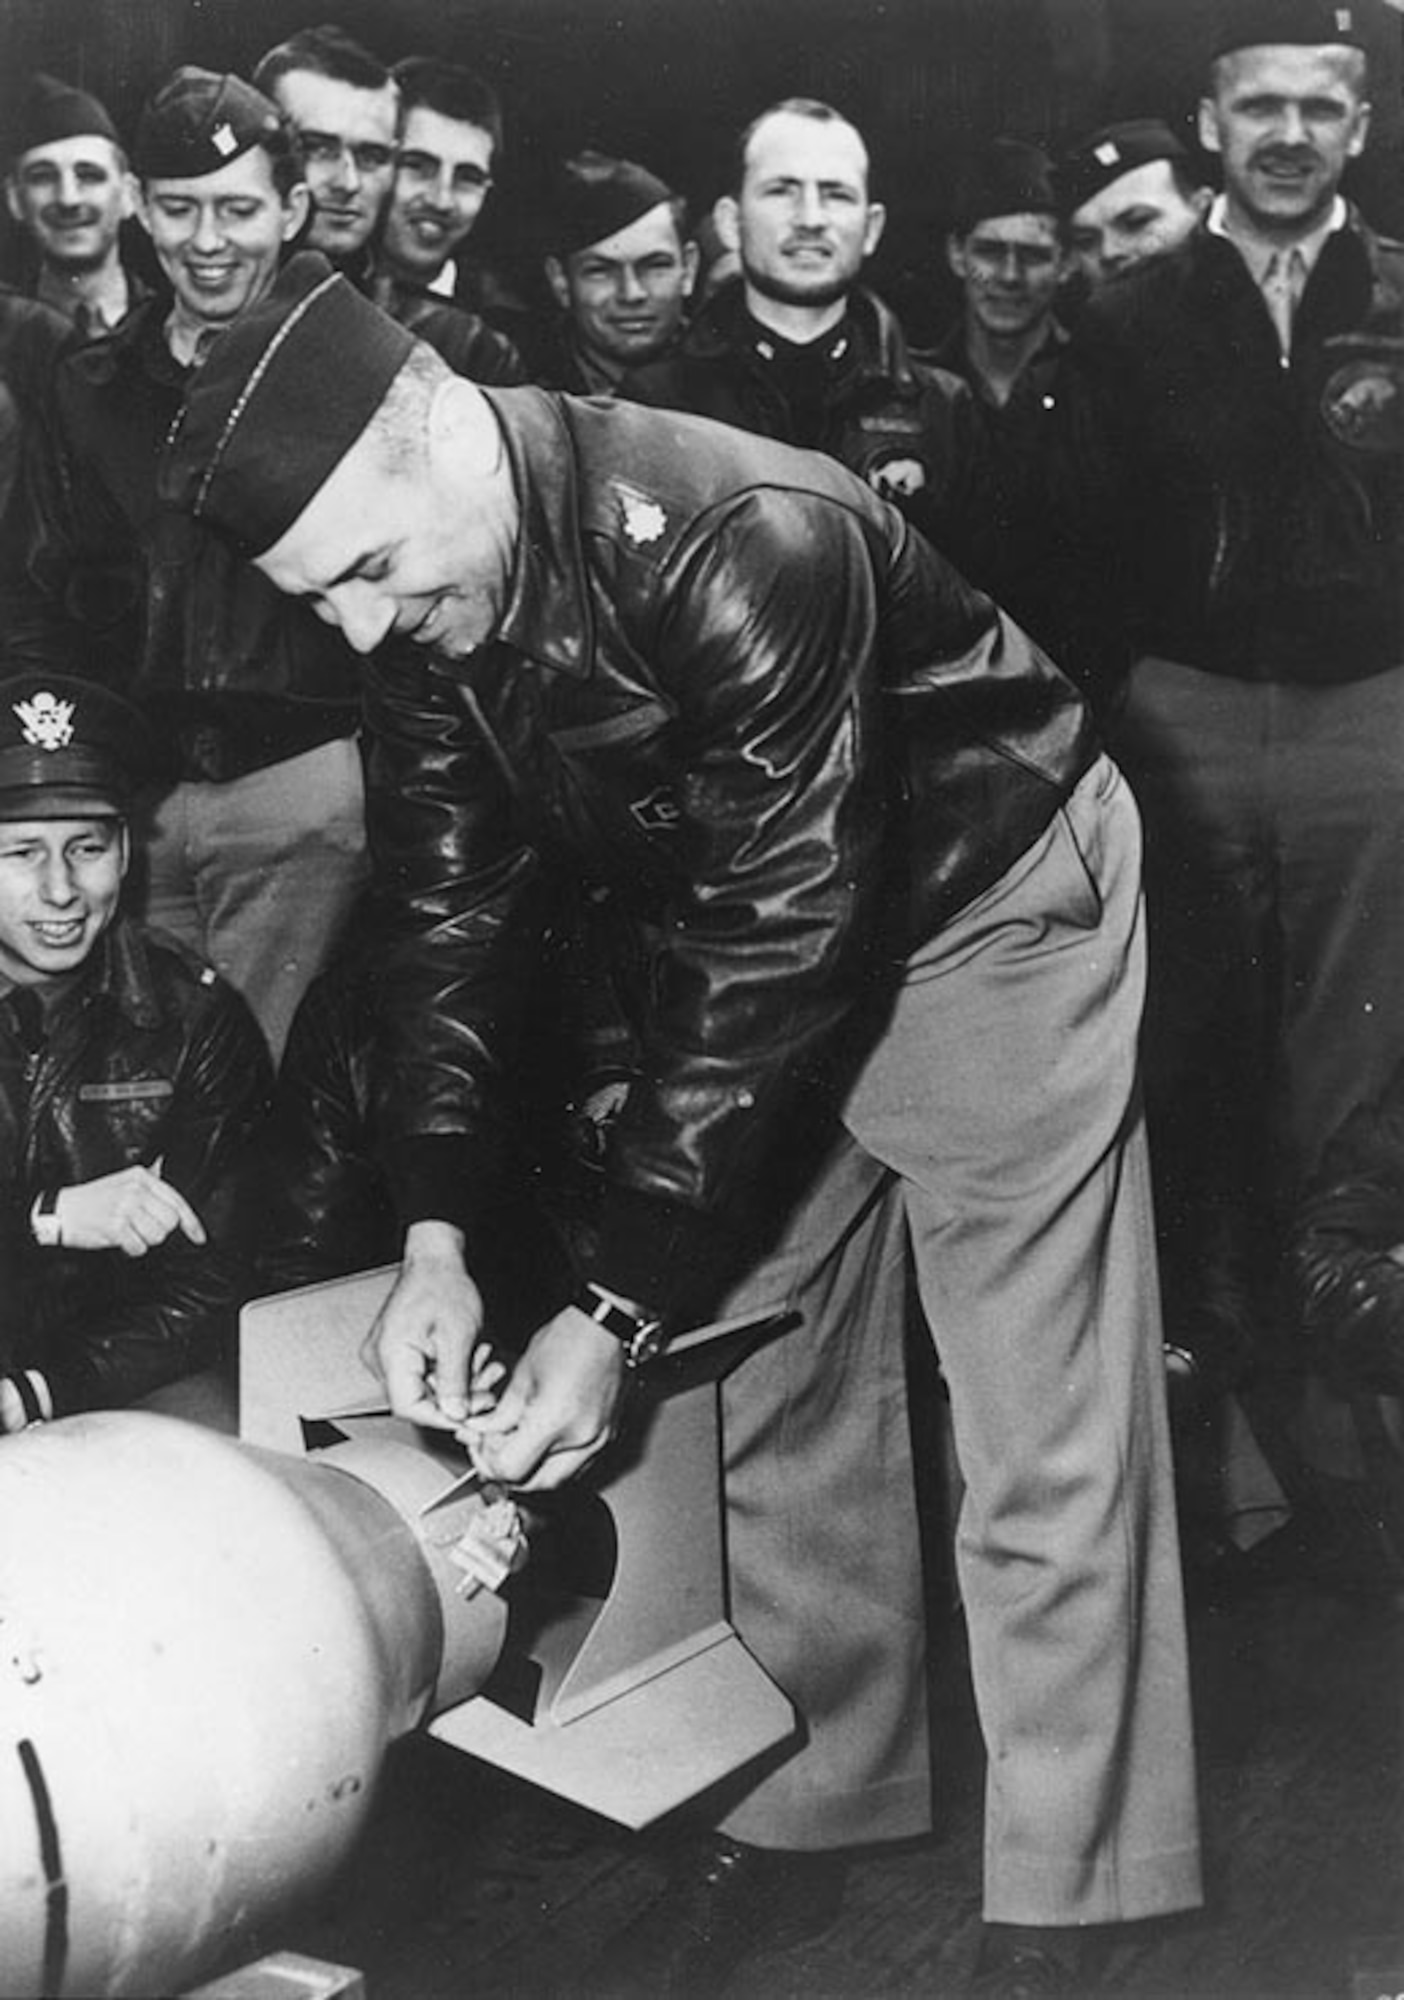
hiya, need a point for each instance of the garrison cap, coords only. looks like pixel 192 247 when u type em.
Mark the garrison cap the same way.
pixel 1005 177
pixel 197 122
pixel 1252 24
pixel 1105 155
pixel 52 109
pixel 596 195
pixel 70 749
pixel 286 391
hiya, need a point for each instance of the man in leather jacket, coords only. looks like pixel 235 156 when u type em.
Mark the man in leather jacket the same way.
pixel 130 1078
pixel 798 349
pixel 621 266
pixel 258 847
pixel 1234 412
pixel 893 994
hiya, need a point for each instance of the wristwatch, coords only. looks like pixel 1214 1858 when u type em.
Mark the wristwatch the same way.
pixel 44 1225
pixel 640 1337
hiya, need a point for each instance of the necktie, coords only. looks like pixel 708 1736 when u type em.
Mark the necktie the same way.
pixel 1284 280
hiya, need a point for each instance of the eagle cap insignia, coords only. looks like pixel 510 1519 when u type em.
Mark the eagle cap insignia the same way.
pixel 45 721
pixel 644 520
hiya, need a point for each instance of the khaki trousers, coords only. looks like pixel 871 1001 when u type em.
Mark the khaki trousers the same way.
pixel 997 1126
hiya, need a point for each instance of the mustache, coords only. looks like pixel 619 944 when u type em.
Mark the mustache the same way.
pixel 1286 156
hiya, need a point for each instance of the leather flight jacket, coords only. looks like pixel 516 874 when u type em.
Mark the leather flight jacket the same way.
pixel 733 689
pixel 1249 511
pixel 233 673
pixel 146 1056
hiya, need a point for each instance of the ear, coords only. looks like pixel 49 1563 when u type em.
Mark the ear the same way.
pixel 129 196
pixel 1208 125
pixel 877 222
pixel 956 257
pixel 12 199
pixel 691 259
pixel 141 207
pixel 124 834
pixel 727 217
pixel 1362 130
pixel 558 281
pixel 296 209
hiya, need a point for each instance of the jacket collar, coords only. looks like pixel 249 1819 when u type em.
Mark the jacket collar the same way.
pixel 878 351
pixel 549 616
pixel 122 974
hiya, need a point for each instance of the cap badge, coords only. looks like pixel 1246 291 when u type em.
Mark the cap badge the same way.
pixel 45 721
pixel 644 520
pixel 1344 20
pixel 223 139
pixel 1107 154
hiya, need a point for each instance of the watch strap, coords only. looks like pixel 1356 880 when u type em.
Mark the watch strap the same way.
pixel 640 1336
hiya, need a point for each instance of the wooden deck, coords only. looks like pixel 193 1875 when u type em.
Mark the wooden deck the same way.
pixel 471 1886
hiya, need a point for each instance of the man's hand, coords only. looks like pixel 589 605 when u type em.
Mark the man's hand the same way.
pixel 423 1340
pixel 132 1210
pixel 559 1410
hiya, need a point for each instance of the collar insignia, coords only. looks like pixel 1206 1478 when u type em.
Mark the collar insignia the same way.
pixel 45 721
pixel 644 520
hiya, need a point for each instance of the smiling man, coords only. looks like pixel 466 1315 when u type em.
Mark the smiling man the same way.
pixel 621 267
pixel 450 132
pixel 799 349
pixel 130 1078
pixel 69 189
pixel 258 848
pixel 450 137
pixel 885 896
pixel 343 104
pixel 1247 488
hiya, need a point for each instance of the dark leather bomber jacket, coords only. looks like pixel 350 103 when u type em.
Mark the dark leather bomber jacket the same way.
pixel 734 688
pixel 148 1056
pixel 1239 515
pixel 143 597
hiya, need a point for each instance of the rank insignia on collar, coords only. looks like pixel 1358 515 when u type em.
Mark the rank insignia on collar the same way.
pixel 45 721
pixel 644 520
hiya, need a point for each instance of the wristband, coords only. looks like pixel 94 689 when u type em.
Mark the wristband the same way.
pixel 44 1224
pixel 640 1336
pixel 24 1400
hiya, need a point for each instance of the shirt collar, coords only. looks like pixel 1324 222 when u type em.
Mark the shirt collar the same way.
pixel 548 615
pixel 102 313
pixel 1258 255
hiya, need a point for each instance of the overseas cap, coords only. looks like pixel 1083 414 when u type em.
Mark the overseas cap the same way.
pixel 287 390
pixel 1104 156
pixel 54 110
pixel 197 122
pixel 1006 177
pixel 70 749
pixel 596 195
pixel 1252 24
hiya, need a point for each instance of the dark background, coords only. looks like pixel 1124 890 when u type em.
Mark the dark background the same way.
pixel 671 81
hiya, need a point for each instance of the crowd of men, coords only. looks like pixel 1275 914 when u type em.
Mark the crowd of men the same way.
pixel 582 804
